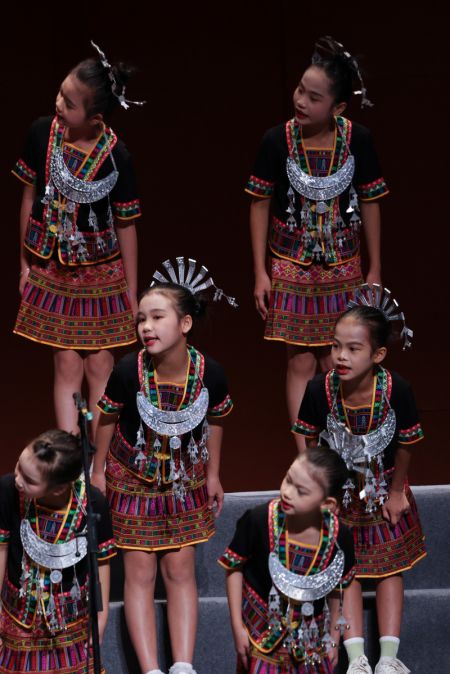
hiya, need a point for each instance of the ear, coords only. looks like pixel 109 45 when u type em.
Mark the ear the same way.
pixel 339 109
pixel 379 354
pixel 186 323
pixel 60 489
pixel 96 119
pixel 330 503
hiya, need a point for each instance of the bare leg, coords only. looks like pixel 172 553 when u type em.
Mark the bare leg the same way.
pixel 68 378
pixel 178 570
pixel 390 605
pixel 301 368
pixel 353 610
pixel 97 368
pixel 324 358
pixel 139 605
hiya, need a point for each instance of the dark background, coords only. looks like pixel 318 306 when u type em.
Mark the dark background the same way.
pixel 215 76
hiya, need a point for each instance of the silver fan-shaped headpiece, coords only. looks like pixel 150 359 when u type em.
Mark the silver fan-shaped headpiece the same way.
pixel 188 277
pixel 381 298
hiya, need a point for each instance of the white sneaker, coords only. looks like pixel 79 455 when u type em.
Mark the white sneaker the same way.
pixel 182 668
pixel 360 666
pixel 391 666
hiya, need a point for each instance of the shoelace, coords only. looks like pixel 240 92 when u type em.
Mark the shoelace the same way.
pixel 395 666
pixel 361 666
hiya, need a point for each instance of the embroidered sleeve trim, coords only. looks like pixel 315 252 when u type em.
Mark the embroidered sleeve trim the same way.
pixel 259 188
pixel 108 406
pixel 24 173
pixel 4 536
pixel 347 579
pixel 231 560
pixel 222 409
pixel 408 436
pixel 373 190
pixel 302 428
pixel 106 550
pixel 126 210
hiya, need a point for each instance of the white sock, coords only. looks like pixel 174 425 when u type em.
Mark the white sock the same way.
pixel 389 647
pixel 354 648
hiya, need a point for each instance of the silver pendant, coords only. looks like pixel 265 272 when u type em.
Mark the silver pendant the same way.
pixel 52 555
pixel 79 191
pixel 320 188
pixel 306 588
pixel 175 422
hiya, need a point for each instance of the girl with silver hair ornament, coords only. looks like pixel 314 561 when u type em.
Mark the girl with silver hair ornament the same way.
pixel 160 436
pixel 78 258
pixel 315 182
pixel 368 415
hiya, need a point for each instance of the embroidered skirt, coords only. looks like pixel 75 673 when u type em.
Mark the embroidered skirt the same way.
pixel 83 307
pixel 36 651
pixel 305 302
pixel 280 662
pixel 148 517
pixel 382 549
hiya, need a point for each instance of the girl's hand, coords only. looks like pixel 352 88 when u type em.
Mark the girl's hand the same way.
pixel 215 495
pixel 261 294
pixel 373 277
pixel 24 274
pixel 133 303
pixel 242 644
pixel 99 481
pixel 396 506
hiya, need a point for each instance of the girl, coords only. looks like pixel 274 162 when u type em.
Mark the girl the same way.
pixel 44 622
pixel 161 486
pixel 274 633
pixel 360 398
pixel 78 239
pixel 315 180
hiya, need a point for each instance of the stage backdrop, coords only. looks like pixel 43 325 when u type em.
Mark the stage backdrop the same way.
pixel 215 76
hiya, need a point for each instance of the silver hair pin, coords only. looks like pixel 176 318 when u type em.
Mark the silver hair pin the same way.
pixel 117 90
pixel 190 280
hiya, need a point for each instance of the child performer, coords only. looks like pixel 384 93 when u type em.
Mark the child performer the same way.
pixel 78 257
pixel 285 557
pixel 370 418
pixel 162 469
pixel 315 181
pixel 43 562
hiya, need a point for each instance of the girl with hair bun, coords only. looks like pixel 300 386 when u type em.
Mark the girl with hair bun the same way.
pixel 78 260
pixel 368 415
pixel 43 561
pixel 315 182
pixel 160 434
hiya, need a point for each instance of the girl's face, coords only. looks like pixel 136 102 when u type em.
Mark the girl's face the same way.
pixel 28 474
pixel 159 326
pixel 313 101
pixel 71 101
pixel 300 493
pixel 352 354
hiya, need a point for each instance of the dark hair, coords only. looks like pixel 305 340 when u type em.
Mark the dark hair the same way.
pixel 95 76
pixel 340 67
pixel 61 455
pixel 380 330
pixel 329 469
pixel 185 302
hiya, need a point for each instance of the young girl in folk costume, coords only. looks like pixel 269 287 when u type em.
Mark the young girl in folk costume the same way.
pixel 285 558
pixel 78 240
pixel 162 423
pixel 43 560
pixel 368 415
pixel 315 181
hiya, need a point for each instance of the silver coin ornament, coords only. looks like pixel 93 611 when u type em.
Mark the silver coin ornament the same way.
pixel 56 576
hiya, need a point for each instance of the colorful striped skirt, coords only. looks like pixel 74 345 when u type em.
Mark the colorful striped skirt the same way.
pixel 305 302
pixel 148 517
pixel 382 549
pixel 280 662
pixel 26 651
pixel 83 307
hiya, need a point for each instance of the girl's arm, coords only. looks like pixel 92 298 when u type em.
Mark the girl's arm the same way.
pixel 214 444
pixel 259 228
pixel 397 503
pixel 104 576
pixel 26 206
pixel 234 594
pixel 103 437
pixel 127 237
pixel 370 216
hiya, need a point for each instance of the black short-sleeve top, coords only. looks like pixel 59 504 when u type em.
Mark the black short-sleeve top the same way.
pixel 262 530
pixel 50 227
pixel 18 590
pixel 269 179
pixel 135 373
pixel 324 394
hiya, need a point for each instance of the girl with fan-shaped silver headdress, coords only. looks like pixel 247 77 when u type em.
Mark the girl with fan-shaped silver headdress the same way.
pixel 78 278
pixel 160 436
pixel 368 415
pixel 287 566
pixel 316 181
